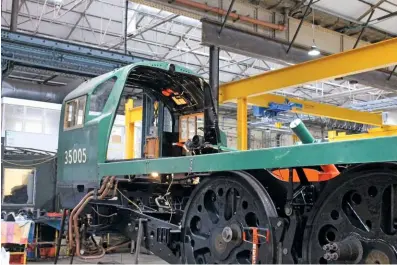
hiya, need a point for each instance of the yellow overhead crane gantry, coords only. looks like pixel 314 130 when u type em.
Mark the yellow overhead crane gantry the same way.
pixel 253 90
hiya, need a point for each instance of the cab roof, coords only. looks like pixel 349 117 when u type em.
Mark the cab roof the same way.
pixel 88 86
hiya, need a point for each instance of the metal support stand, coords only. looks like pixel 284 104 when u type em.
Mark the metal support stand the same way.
pixel 59 239
pixel 139 239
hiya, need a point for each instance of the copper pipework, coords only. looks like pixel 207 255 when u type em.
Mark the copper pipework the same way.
pixel 105 192
pixel 101 189
pixel 232 15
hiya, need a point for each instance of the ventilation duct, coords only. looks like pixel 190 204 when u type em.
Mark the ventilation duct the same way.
pixel 37 92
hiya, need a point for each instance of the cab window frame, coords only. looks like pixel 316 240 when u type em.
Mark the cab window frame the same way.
pixel 78 101
pixel 95 113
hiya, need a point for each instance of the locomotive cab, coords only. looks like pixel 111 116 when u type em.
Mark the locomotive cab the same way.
pixel 178 119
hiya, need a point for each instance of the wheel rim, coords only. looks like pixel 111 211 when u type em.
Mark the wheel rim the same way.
pixel 215 217
pixel 356 207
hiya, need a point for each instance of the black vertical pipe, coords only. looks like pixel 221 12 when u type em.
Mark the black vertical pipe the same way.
pixel 211 99
pixel 125 25
pixel 14 15
pixel 299 26
pixel 214 75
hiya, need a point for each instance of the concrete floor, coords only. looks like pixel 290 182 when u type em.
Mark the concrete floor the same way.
pixel 123 258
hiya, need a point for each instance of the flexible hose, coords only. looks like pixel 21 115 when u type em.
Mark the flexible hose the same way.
pixel 109 184
pixel 101 189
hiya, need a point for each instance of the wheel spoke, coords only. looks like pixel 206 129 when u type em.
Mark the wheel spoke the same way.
pixel 354 205
pixel 199 241
pixel 231 201
pixel 217 219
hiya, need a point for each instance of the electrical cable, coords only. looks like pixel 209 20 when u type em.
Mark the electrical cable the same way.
pixel 32 160
pixel 166 194
pixel 28 165
pixel 133 203
pixel 103 215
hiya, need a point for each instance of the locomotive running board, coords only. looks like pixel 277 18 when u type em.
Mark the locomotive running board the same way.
pixel 344 152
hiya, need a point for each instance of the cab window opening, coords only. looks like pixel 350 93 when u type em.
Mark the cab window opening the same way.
pixel 179 94
pixel 74 113
pixel 100 96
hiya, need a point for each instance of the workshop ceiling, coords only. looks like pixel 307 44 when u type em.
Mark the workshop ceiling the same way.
pixel 161 35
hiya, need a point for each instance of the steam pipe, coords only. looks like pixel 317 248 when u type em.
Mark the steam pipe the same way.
pixel 299 128
pixel 234 16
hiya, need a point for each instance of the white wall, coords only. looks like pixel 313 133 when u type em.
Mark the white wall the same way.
pixel 30 124
pixel 34 124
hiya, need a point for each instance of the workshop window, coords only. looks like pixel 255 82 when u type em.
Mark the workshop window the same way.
pixel 74 113
pixel 18 186
pixel 100 96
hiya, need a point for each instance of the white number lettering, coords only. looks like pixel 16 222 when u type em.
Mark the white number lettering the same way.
pixel 74 156
pixel 84 156
pixel 79 155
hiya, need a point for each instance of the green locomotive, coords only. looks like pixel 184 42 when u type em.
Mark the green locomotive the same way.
pixel 190 199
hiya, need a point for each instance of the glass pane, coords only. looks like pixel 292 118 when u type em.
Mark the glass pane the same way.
pixel 200 125
pixel 51 124
pixel 184 129
pixel 14 110
pixel 13 123
pixel 192 127
pixel 101 94
pixel 34 114
pixel 18 186
pixel 74 112
pixel 167 120
pixel 80 113
pixel 33 126
pixel 69 113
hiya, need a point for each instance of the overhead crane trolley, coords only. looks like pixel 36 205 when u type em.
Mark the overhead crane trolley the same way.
pixel 205 203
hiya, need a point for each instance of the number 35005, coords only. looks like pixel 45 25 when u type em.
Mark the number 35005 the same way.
pixel 75 156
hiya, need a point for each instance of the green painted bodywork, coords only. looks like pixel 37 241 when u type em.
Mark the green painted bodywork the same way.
pixel 94 135
pixel 96 132
pixel 346 152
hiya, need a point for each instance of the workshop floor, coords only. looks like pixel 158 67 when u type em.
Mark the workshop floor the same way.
pixel 117 258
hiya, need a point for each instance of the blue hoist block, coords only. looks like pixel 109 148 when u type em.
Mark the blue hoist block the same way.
pixel 274 109
pixel 258 111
